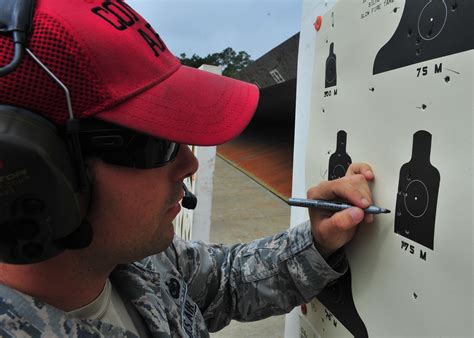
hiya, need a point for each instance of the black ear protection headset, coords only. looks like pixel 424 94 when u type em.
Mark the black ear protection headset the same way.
pixel 43 183
pixel 44 186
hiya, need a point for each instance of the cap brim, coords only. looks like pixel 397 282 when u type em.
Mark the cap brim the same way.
pixel 190 107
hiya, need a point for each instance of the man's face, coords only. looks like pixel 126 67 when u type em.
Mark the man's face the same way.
pixel 133 209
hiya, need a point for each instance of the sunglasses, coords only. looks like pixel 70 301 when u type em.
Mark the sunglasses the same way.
pixel 124 147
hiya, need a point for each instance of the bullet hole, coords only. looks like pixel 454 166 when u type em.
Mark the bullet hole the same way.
pixel 395 10
pixel 372 89
pixel 418 40
pixel 423 106
pixel 415 296
pixel 410 32
pixel 447 79
pixel 399 214
pixel 454 6
pixel 418 51
pixel 407 232
pixel 324 110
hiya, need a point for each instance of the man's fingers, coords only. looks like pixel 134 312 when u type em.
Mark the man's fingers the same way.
pixel 333 231
pixel 353 189
pixel 361 168
pixel 343 221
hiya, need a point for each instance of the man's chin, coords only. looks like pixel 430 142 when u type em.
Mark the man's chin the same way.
pixel 166 237
pixel 162 241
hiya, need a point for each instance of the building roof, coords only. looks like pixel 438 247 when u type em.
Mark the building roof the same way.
pixel 276 66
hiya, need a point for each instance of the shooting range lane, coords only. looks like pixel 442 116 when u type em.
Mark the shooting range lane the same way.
pixel 264 151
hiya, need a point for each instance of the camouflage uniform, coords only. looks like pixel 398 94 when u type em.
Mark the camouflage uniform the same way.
pixel 193 288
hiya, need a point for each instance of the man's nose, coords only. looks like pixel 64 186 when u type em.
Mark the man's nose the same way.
pixel 186 163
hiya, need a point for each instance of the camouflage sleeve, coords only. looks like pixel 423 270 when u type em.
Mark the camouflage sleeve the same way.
pixel 248 282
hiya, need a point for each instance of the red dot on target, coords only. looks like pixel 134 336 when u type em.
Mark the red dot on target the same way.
pixel 318 23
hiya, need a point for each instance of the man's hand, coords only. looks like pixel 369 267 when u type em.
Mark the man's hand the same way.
pixel 332 231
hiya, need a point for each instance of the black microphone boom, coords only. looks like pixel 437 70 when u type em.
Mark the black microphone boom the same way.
pixel 189 199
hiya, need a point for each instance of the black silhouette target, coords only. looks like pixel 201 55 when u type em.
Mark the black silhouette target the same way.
pixel 428 29
pixel 337 297
pixel 340 161
pixel 331 71
pixel 418 194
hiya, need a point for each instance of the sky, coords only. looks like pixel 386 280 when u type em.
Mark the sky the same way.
pixel 204 27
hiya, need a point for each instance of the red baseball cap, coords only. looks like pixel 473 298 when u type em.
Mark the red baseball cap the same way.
pixel 118 69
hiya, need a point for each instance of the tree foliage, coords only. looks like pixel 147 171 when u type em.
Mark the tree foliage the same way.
pixel 231 61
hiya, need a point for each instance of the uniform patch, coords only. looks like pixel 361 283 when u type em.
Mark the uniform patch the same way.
pixel 173 287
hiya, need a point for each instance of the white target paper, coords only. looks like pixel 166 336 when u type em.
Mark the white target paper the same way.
pixel 392 85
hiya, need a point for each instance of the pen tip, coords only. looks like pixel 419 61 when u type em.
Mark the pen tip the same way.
pixel 387 211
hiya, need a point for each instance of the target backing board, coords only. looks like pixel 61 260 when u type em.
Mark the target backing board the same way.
pixel 392 86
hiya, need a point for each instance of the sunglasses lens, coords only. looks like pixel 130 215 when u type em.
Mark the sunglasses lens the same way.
pixel 172 151
pixel 157 153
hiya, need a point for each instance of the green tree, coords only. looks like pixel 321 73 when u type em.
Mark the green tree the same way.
pixel 231 61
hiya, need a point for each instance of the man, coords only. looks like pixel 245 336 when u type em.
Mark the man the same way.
pixel 135 278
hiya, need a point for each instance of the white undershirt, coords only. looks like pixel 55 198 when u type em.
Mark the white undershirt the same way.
pixel 108 307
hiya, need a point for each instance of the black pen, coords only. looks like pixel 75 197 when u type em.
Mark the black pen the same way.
pixel 333 206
